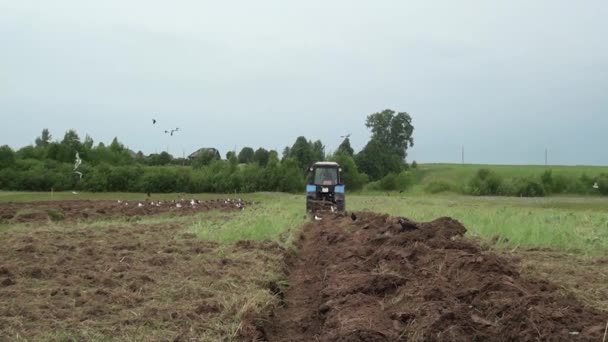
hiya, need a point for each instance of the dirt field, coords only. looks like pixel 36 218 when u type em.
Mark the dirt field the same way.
pixel 70 271
pixel 125 281
pixel 376 279
pixel 99 209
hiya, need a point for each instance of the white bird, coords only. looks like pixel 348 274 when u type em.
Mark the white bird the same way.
pixel 119 201
pixel 317 218
pixel 192 202
pixel 77 162
pixel 78 173
pixel 333 209
pixel 140 205
pixel 596 186
pixel 178 205
pixel 74 192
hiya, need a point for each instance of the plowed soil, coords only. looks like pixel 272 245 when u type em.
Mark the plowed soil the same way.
pixel 94 209
pixel 381 279
pixel 125 281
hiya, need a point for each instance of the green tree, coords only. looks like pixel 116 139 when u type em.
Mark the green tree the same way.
pixel 44 139
pixel 353 179
pixel 345 148
pixel 261 156
pixel 302 153
pixel 377 161
pixel 395 131
pixel 203 159
pixel 286 152
pixel 246 155
pixel 7 157
pixel 318 151
pixel 229 154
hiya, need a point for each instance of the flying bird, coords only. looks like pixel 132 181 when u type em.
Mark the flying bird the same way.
pixel 77 162
pixel 154 121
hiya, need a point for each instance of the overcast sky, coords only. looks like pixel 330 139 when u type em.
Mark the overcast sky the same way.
pixel 506 79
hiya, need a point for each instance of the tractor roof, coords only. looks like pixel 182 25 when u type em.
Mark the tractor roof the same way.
pixel 326 163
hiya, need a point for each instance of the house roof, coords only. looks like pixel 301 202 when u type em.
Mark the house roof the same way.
pixel 196 153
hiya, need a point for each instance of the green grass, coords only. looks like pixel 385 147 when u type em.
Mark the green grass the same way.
pixel 276 216
pixel 568 224
pixel 457 171
pixel 458 175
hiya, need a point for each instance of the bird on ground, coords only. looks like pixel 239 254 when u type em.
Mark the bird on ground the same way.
pixel 407 225
pixel 74 192
pixel 596 186
pixel 353 216
pixel 317 218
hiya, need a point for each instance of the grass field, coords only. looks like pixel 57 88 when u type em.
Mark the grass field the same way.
pixel 459 175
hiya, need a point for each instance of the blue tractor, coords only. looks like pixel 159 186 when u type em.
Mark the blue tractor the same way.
pixel 325 188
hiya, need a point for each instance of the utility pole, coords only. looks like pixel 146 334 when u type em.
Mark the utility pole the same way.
pixel 462 155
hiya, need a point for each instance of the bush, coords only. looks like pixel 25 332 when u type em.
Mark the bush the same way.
pixel 527 187
pixel 353 179
pixel 602 182
pixel 439 186
pixel 485 182
pixel 401 181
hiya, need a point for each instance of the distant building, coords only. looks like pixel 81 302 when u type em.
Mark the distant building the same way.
pixel 205 150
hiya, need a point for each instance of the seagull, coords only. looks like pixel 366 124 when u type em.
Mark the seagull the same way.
pixel 74 192
pixel 317 218
pixel 596 186
pixel 77 162
pixel 78 173
pixel 333 209
pixel 140 205
pixel 178 205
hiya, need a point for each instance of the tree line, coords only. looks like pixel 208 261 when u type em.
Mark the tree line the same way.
pixel 49 164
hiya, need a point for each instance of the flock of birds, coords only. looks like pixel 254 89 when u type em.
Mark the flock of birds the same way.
pixel 167 131
pixel 182 203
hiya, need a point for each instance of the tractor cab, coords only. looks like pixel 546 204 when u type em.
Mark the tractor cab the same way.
pixel 325 188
